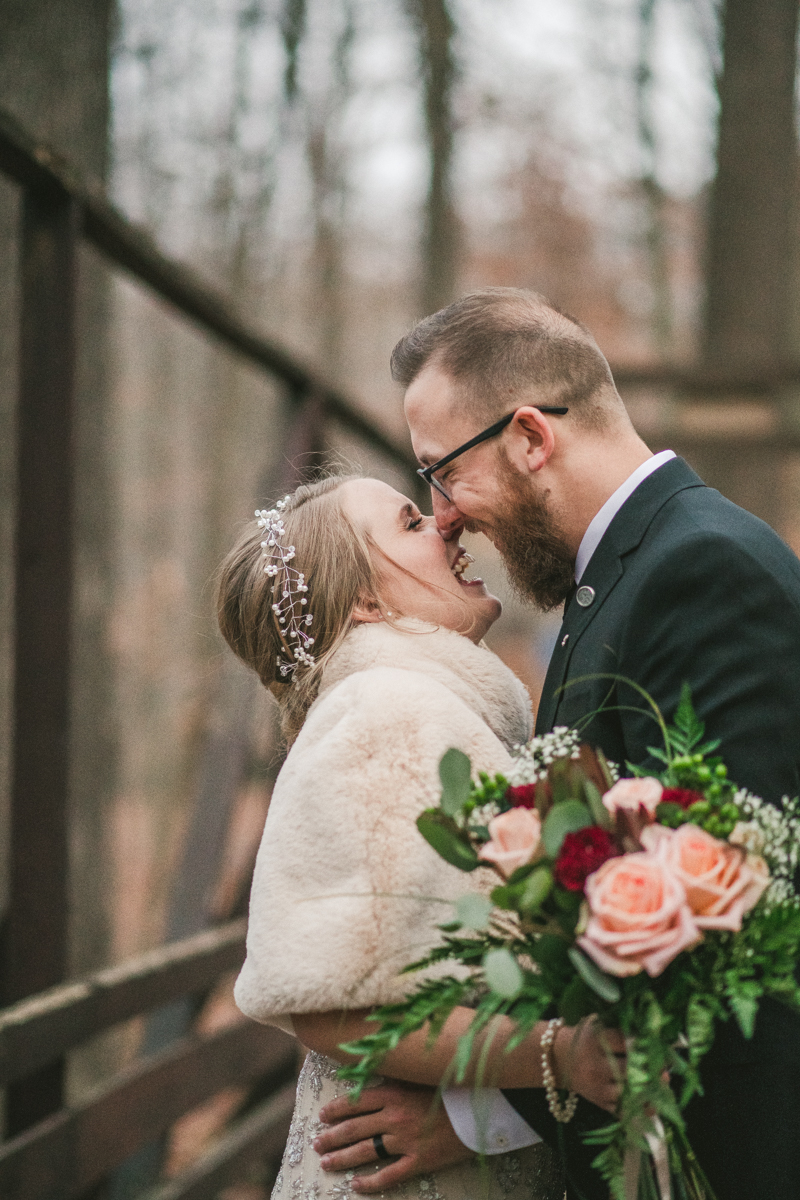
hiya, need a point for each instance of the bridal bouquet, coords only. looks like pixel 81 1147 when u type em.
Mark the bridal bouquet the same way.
pixel 657 905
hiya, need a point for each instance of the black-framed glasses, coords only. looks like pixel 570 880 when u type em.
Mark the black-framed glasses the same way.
pixel 426 473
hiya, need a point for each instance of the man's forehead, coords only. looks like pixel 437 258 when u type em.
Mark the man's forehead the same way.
pixel 435 418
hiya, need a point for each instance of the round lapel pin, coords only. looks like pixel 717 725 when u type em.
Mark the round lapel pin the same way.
pixel 585 596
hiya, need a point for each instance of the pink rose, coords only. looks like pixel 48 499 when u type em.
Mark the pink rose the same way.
pixel 515 838
pixel 634 793
pixel 638 916
pixel 721 882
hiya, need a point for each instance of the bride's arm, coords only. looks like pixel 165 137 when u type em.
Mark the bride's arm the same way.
pixel 584 1057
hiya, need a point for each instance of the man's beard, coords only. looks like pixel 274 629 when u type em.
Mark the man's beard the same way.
pixel 535 553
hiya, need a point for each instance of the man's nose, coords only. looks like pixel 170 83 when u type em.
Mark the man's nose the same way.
pixel 449 521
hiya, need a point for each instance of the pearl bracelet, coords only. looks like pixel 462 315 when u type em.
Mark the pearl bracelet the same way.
pixel 567 1112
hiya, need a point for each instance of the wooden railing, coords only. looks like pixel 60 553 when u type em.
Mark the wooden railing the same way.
pixel 77 1148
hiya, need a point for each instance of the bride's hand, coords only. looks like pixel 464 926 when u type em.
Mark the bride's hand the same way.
pixel 590 1060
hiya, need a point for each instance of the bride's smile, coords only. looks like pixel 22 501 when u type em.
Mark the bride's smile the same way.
pixel 422 575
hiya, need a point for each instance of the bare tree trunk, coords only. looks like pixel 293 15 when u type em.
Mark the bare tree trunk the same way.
pixel 653 194
pixel 435 30
pixel 751 231
pixel 751 228
pixel 328 173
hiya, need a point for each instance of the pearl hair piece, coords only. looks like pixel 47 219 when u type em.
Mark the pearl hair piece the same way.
pixel 288 593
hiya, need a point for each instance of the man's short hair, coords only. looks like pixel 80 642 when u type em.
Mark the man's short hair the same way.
pixel 499 342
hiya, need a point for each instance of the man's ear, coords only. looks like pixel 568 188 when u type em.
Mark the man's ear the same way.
pixel 366 612
pixel 533 440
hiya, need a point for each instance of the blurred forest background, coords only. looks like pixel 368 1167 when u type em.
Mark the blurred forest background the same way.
pixel 340 168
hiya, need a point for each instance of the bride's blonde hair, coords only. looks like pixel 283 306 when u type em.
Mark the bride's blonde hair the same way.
pixel 338 562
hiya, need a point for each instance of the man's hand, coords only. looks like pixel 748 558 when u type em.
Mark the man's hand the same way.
pixel 590 1060
pixel 415 1127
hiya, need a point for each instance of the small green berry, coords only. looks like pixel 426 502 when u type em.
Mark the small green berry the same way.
pixel 721 771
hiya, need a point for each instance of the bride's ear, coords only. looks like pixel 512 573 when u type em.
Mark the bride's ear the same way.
pixel 366 612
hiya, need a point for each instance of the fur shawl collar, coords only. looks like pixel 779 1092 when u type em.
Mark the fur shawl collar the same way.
pixel 474 673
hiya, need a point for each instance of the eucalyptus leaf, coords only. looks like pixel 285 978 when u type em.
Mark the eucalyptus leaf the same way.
pixel 535 889
pixel 594 799
pixel 521 873
pixel 745 1009
pixel 503 973
pixel 551 951
pixel 473 910
pixel 576 1002
pixel 605 987
pixel 563 818
pixel 503 897
pixel 441 832
pixel 455 774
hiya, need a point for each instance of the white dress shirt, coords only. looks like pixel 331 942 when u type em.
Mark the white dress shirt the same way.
pixel 488 1123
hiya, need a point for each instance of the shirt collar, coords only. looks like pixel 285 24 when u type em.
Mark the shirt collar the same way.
pixel 602 519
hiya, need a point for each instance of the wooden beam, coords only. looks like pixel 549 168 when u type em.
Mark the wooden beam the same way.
pixel 72 1151
pixel 37 1030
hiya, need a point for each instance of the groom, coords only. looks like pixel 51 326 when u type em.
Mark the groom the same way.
pixel 523 437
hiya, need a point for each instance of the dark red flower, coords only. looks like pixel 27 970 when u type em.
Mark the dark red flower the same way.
pixel 523 796
pixel 684 797
pixel 582 853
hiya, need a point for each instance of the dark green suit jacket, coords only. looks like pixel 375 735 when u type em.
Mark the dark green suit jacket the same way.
pixel 688 587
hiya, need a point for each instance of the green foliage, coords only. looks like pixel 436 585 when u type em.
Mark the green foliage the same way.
pixel 603 985
pixel 447 839
pixel 454 772
pixel 431 1004
pixel 473 911
pixel 566 816
pixel 526 891
pixel 600 814
pixel 502 973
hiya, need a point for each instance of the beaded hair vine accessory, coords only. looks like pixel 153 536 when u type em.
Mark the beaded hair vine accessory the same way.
pixel 288 592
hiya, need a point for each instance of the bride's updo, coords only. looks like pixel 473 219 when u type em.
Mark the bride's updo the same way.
pixel 335 558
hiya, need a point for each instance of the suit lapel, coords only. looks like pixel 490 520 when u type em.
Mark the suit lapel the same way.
pixel 601 575
pixel 604 570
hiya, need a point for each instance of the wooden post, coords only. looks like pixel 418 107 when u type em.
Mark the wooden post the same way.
pixel 35 935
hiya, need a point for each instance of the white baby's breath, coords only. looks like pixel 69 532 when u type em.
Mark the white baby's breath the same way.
pixel 779 826
pixel 532 760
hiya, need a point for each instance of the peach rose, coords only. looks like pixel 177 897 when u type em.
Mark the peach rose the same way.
pixel 633 794
pixel 721 882
pixel 515 838
pixel 638 916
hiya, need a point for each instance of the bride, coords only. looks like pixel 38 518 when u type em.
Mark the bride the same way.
pixel 360 620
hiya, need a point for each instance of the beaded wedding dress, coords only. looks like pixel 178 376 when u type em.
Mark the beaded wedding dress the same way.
pixel 530 1174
